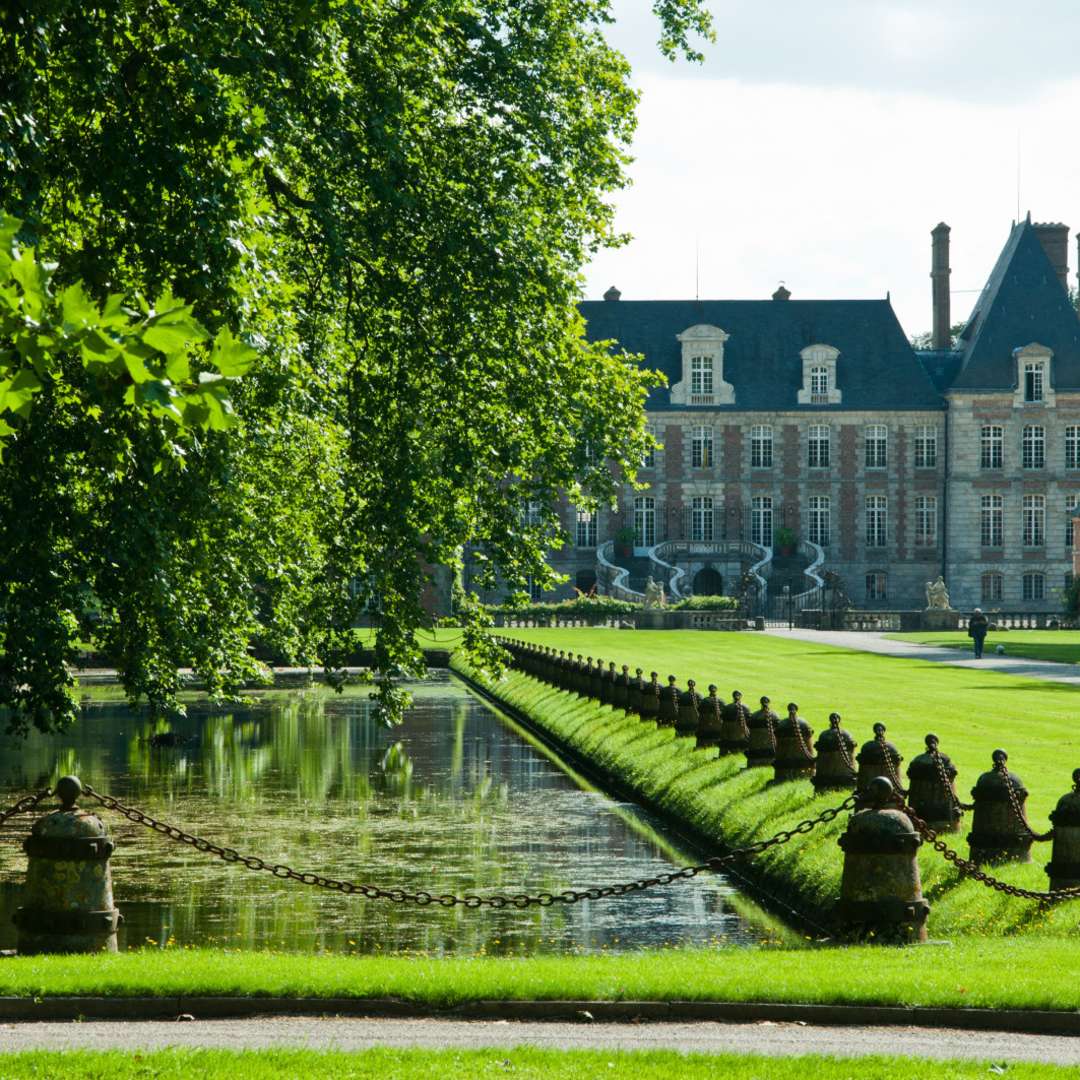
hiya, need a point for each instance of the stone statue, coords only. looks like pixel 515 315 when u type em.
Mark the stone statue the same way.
pixel 654 594
pixel 937 595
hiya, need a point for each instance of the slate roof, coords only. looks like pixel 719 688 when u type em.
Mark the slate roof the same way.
pixel 876 370
pixel 1023 302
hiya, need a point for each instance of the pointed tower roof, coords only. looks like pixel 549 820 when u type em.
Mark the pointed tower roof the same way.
pixel 1022 302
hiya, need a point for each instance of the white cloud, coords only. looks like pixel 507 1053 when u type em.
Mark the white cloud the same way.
pixel 832 189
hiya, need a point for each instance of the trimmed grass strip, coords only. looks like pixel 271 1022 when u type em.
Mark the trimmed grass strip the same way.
pixel 523 1063
pixel 1010 973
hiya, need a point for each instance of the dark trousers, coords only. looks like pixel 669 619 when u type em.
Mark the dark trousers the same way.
pixel 977 640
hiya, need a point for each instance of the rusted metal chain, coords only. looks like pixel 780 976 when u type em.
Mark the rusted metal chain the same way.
pixel 449 900
pixel 25 804
pixel 947 784
pixel 970 869
pixel 1018 810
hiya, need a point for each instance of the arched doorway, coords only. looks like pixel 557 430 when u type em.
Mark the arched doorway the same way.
pixel 708 582
pixel 585 581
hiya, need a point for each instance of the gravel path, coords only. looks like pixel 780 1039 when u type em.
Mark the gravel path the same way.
pixel 773 1039
pixel 865 641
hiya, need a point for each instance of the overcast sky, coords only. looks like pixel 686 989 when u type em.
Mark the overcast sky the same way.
pixel 820 143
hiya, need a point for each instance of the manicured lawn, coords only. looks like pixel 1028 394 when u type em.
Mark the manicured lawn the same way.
pixel 1060 645
pixel 522 1063
pixel 979 973
pixel 972 711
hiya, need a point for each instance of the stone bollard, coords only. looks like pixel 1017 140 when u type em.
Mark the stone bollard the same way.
pixel 879 757
pixel 880 890
pixel 596 681
pixel 580 676
pixel 68 901
pixel 686 723
pixel 635 695
pixel 1064 865
pixel 620 694
pixel 761 746
pixel 669 704
pixel 607 685
pixel 734 727
pixel 650 699
pixel 835 770
pixel 794 756
pixel 710 720
pixel 931 788
pixel 562 672
pixel 999 830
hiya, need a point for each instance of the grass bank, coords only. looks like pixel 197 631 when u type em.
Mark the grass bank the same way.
pixel 974 973
pixel 519 1062
pixel 1062 646
pixel 718 798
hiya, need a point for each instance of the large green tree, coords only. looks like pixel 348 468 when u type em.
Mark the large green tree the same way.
pixel 392 200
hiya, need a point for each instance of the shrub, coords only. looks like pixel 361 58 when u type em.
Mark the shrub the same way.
pixel 707 603
pixel 580 605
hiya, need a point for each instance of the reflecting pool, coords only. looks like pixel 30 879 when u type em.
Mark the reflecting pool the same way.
pixel 453 800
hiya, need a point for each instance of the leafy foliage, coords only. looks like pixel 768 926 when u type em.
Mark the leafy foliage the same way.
pixel 707 603
pixel 580 605
pixel 392 203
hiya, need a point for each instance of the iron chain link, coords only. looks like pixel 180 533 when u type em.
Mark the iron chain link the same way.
pixel 470 900
pixel 970 869
pixel 24 805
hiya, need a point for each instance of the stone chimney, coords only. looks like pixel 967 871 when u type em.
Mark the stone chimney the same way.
pixel 939 285
pixel 1054 237
pixel 612 295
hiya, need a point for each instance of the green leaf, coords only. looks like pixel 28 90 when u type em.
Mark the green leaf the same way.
pixel 175 334
pixel 33 278
pixel 231 356
pixel 136 366
pixel 78 310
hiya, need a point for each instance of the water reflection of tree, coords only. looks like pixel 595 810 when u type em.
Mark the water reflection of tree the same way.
pixel 449 802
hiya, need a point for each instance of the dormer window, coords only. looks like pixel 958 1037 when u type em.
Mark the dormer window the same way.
pixel 701 376
pixel 702 381
pixel 1033 383
pixel 819 376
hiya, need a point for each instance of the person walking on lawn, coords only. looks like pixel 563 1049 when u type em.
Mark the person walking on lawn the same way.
pixel 978 625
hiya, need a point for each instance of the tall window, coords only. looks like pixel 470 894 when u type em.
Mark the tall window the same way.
pixel 644 521
pixel 701 375
pixel 649 460
pixel 1071 504
pixel 877 586
pixel 1034 587
pixel 991 587
pixel 819 520
pixel 877 441
pixel 992 514
pixel 1072 447
pixel 818 442
pixel 761 446
pixel 1034 520
pixel 926 446
pixel 819 384
pixel 1033 382
pixel 876 520
pixel 586 528
pixel 761 518
pixel 992 438
pixel 533 511
pixel 701 518
pixel 926 520
pixel 536 594
pixel 1033 446
pixel 701 447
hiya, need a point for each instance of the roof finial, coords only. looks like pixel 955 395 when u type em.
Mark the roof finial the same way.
pixel 612 294
pixel 782 293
